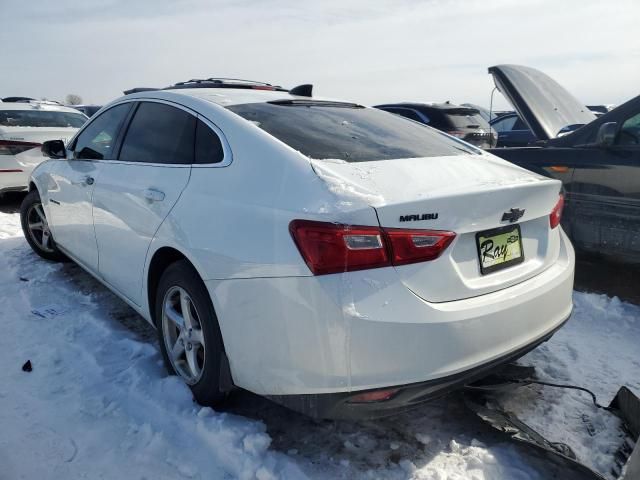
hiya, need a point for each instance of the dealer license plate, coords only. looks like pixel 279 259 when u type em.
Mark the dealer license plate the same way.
pixel 499 248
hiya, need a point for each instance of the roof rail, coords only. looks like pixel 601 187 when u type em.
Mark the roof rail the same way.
pixel 140 89
pixel 222 82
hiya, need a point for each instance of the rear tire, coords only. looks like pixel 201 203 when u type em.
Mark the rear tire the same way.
pixel 35 227
pixel 188 332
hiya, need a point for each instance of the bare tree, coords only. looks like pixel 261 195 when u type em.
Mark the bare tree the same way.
pixel 73 99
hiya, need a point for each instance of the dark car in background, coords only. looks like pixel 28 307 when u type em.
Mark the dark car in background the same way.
pixel 598 162
pixel 464 123
pixel 512 131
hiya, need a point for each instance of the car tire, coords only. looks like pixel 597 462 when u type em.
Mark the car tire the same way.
pixel 36 228
pixel 191 344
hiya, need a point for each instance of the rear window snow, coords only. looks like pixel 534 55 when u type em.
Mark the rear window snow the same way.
pixel 349 132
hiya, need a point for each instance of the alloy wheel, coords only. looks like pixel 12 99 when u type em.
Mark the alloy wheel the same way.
pixel 182 333
pixel 38 228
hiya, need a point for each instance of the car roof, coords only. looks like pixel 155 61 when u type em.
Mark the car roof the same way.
pixel 37 106
pixel 226 96
pixel 233 96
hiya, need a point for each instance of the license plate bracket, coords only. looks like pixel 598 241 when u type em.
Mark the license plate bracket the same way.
pixel 499 248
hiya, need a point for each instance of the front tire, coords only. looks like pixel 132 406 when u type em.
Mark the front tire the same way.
pixel 188 332
pixel 35 227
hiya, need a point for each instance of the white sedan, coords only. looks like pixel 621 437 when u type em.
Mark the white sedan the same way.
pixel 338 259
pixel 23 127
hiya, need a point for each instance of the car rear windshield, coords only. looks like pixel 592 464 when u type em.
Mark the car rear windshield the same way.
pixel 466 118
pixel 41 118
pixel 329 130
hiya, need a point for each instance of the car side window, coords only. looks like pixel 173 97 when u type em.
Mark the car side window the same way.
pixel 208 145
pixel 505 124
pixel 629 133
pixel 96 142
pixel 159 133
pixel 520 125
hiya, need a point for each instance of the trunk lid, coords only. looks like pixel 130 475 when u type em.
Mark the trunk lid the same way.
pixel 541 102
pixel 466 194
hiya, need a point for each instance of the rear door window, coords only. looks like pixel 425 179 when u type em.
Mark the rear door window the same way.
pixel 97 141
pixel 159 133
pixel 330 130
pixel 208 145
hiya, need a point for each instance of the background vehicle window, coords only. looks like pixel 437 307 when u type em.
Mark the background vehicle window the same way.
pixel 159 133
pixel 208 145
pixel 630 132
pixel 520 125
pixel 466 118
pixel 41 118
pixel 97 140
pixel 505 124
pixel 348 132
pixel 405 112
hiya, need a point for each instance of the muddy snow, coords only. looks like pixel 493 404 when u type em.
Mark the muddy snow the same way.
pixel 98 403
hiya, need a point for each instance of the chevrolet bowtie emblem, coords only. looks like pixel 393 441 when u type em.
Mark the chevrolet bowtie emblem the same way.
pixel 512 215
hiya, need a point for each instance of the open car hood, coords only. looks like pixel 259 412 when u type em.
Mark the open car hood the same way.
pixel 543 104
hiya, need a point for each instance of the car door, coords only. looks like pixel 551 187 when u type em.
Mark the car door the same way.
pixel 135 193
pixel 70 191
pixel 607 193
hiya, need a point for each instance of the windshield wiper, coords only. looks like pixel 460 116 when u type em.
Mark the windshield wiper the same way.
pixel 314 103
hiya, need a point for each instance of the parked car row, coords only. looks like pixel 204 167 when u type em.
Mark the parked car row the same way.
pixel 462 122
pixel 596 157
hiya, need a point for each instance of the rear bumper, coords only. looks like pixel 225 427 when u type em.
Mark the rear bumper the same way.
pixel 340 406
pixel 350 333
pixel 13 175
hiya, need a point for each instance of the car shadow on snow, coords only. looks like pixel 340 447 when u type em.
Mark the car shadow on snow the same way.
pixel 436 438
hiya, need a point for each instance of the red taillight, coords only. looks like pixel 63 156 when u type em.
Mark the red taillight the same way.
pixel 375 396
pixel 411 246
pixel 14 147
pixel 556 213
pixel 334 248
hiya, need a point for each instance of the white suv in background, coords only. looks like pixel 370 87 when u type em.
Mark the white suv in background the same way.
pixel 338 259
pixel 24 125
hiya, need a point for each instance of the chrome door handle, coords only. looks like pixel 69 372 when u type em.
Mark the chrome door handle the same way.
pixel 89 180
pixel 153 195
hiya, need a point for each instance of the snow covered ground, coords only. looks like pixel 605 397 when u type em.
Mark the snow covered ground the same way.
pixel 98 403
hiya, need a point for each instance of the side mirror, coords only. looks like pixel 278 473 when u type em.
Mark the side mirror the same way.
pixel 54 149
pixel 607 134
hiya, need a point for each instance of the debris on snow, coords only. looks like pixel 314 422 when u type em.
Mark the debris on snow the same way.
pixel 27 367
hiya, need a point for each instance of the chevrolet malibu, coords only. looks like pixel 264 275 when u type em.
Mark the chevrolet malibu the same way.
pixel 340 260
